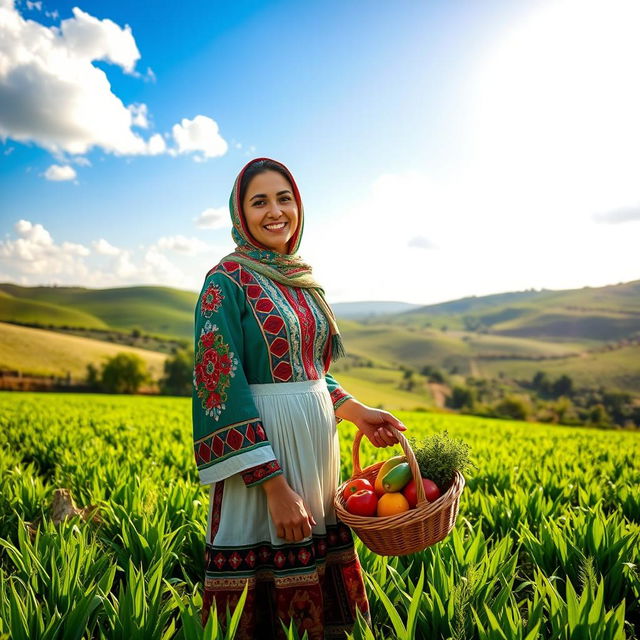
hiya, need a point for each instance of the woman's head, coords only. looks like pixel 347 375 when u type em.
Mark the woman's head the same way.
pixel 268 206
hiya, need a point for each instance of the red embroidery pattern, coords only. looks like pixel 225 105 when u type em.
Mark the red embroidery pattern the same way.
pixel 215 365
pixel 307 327
pixel 261 472
pixel 268 316
pixel 229 441
pixel 338 396
pixel 211 300
pixel 318 584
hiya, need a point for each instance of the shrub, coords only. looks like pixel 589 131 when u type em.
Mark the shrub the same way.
pixel 124 373
pixel 178 374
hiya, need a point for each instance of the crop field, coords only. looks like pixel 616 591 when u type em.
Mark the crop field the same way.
pixel 546 544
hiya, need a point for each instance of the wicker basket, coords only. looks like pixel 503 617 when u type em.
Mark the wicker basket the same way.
pixel 412 530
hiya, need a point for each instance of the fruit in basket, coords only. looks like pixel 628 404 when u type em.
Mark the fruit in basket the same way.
pixel 355 485
pixel 392 503
pixel 362 503
pixel 410 492
pixel 397 478
pixel 384 469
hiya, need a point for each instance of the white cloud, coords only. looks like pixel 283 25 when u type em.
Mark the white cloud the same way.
pixel 199 135
pixel 139 113
pixel 32 257
pixel 53 95
pixel 617 216
pixel 92 39
pixel 59 173
pixel 105 248
pixel 214 218
pixel 182 244
pixel 33 252
pixel 420 242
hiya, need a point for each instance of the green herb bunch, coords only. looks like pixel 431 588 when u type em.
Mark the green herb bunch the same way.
pixel 438 457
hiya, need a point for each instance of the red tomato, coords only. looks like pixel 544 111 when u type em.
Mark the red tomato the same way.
pixel 356 485
pixel 362 503
pixel 431 491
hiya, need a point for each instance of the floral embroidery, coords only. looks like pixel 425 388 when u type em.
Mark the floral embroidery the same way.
pixel 211 300
pixel 215 365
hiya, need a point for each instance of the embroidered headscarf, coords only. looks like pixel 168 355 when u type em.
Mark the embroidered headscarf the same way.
pixel 289 268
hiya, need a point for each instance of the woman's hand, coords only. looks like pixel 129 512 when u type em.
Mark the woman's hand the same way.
pixel 374 423
pixel 289 513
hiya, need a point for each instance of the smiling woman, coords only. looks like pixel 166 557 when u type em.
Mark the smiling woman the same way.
pixel 265 415
pixel 270 208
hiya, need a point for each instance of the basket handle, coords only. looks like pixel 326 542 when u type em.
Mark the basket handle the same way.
pixel 408 451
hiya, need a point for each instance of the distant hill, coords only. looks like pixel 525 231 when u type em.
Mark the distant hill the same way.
pixel 156 310
pixel 360 310
pixel 591 333
pixel 591 313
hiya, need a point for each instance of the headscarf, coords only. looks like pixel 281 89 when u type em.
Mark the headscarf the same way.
pixel 289 268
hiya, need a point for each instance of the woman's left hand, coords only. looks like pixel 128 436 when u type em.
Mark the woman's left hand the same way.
pixel 375 424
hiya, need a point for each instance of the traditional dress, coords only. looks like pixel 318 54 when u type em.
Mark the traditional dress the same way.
pixel 263 405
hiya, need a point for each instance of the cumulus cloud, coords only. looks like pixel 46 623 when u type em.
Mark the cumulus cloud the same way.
pixel 105 248
pixel 31 257
pixel 182 244
pixel 53 95
pixel 34 252
pixel 214 218
pixel 617 216
pixel 139 114
pixel 200 135
pixel 59 173
pixel 420 242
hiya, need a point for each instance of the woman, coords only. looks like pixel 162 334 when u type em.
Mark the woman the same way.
pixel 265 411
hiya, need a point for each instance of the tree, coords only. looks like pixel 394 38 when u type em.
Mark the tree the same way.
pixel 513 407
pixel 461 397
pixel 598 415
pixel 563 386
pixel 93 380
pixel 178 374
pixel 541 382
pixel 124 373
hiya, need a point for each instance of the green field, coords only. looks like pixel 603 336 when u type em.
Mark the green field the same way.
pixel 546 544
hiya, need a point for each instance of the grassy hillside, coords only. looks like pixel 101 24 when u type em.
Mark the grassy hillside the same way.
pixel 602 313
pixel 41 352
pixel 378 387
pixel 156 310
pixel 24 311
pixel 617 369
pixel 516 333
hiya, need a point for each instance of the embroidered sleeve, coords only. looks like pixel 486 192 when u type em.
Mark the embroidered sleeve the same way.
pixel 228 435
pixel 338 394
pixel 258 474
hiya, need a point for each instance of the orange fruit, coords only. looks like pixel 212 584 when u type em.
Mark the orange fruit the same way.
pixel 391 503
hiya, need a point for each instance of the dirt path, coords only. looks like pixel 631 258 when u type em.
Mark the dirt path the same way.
pixel 439 392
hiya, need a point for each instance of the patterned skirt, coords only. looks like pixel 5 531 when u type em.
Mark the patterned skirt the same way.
pixel 317 582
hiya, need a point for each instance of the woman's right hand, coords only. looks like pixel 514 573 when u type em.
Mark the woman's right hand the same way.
pixel 290 515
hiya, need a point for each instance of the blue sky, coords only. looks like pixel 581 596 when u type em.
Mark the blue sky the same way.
pixel 443 147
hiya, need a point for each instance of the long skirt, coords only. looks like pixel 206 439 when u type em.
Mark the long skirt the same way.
pixel 317 582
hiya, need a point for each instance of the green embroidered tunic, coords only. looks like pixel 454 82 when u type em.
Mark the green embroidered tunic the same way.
pixel 250 329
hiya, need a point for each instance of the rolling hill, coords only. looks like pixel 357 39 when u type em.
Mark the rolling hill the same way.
pixel 513 334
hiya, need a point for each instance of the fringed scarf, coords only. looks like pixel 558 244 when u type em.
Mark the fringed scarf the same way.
pixel 289 269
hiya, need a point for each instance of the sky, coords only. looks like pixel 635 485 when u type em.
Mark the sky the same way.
pixel 442 149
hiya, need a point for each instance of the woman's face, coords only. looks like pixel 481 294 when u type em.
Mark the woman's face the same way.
pixel 270 210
